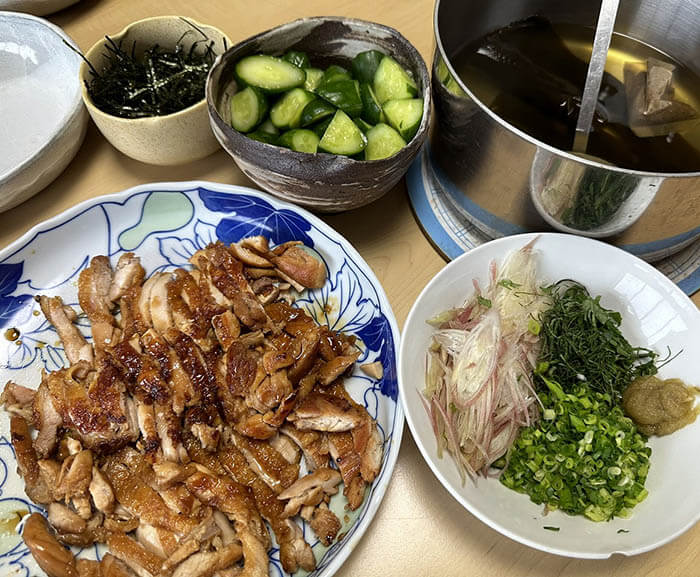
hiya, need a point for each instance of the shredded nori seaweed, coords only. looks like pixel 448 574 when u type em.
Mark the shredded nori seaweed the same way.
pixel 158 82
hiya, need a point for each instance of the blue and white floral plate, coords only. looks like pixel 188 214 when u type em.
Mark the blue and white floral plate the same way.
pixel 165 224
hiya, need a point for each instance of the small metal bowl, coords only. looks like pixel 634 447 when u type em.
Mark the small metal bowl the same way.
pixel 322 182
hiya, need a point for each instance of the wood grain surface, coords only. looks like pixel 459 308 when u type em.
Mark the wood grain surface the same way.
pixel 419 529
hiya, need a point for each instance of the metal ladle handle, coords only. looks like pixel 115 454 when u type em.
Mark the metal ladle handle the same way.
pixel 596 69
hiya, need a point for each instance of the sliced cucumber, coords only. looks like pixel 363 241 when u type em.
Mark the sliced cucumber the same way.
pixel 334 71
pixel 248 108
pixel 343 136
pixel 269 73
pixel 320 127
pixel 299 59
pixel 382 142
pixel 392 82
pixel 316 110
pixel 286 113
pixel 364 65
pixel 313 79
pixel 262 136
pixel 342 92
pixel 371 109
pixel 404 115
pixel 362 125
pixel 301 140
pixel 268 127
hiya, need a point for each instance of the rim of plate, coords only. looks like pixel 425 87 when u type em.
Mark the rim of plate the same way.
pixel 381 485
pixel 517 241
pixel 77 107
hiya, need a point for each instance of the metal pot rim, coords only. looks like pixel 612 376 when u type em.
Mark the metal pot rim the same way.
pixel 525 136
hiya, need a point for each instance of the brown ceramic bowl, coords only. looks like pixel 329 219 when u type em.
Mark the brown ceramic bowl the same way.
pixel 322 182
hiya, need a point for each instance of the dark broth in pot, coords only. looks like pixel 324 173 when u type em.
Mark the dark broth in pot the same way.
pixel 532 73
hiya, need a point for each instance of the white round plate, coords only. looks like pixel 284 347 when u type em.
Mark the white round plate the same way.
pixel 165 224
pixel 656 314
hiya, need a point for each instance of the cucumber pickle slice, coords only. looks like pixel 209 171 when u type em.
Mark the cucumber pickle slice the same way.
pixel 343 136
pixel 248 108
pixel 269 73
pixel 301 140
pixel 286 113
pixel 404 115
pixel 392 82
pixel 382 142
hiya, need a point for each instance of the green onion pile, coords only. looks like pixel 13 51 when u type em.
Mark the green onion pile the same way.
pixel 584 456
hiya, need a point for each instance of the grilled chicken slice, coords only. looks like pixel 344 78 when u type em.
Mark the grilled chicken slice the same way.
pixel 76 347
pixel 231 498
pixel 367 440
pixel 64 519
pixel 325 524
pixel 226 328
pixel 310 490
pixel 94 403
pixel 110 566
pixel 157 540
pixel 294 551
pixel 101 492
pixel 322 412
pixel 47 419
pixel 18 400
pixel 254 555
pixel 299 265
pixel 76 475
pixel 27 461
pixel 368 444
pixel 125 472
pixel 349 462
pixel 206 564
pixel 267 463
pixel 127 274
pixel 93 295
pixel 313 444
pixel 287 448
pixel 334 368
pixel 140 560
pixel 50 555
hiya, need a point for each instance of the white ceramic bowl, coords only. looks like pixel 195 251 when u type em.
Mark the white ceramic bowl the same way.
pixel 656 313
pixel 42 117
pixel 36 7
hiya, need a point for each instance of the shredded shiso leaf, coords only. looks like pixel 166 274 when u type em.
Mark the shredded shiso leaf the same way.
pixel 581 341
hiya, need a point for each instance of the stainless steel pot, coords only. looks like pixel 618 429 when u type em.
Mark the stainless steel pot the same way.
pixel 506 181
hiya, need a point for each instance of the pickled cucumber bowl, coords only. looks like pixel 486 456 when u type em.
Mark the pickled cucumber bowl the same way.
pixel 272 80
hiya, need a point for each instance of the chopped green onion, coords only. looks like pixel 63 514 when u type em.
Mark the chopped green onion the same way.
pixel 550 528
pixel 507 283
pixel 580 465
pixel 484 302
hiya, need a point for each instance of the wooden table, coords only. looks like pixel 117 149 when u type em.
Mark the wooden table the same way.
pixel 419 529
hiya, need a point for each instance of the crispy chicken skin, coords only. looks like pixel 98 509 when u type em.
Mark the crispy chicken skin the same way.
pixel 177 433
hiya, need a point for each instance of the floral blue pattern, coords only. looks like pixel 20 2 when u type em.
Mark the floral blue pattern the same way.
pixel 49 258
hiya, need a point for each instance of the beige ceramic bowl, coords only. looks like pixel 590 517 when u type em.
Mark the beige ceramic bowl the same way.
pixel 172 139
